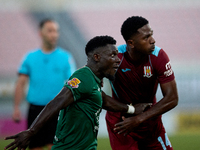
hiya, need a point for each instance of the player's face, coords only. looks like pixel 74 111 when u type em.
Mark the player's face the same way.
pixel 109 62
pixel 49 33
pixel 144 41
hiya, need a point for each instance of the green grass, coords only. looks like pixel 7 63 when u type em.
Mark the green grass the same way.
pixel 103 144
pixel 184 141
pixel 3 143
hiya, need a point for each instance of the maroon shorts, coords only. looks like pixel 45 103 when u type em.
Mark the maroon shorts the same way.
pixel 121 142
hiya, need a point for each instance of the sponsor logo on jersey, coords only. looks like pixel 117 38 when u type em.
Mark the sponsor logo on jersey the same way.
pixel 125 70
pixel 147 71
pixel 169 70
pixel 74 83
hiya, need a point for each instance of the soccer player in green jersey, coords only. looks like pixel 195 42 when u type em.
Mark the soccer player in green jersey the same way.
pixel 80 102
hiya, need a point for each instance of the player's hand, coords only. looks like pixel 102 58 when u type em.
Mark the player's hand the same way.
pixel 127 125
pixel 16 115
pixel 141 107
pixel 21 140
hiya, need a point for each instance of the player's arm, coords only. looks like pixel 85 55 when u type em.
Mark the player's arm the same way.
pixel 112 105
pixel 169 101
pixel 18 96
pixel 62 100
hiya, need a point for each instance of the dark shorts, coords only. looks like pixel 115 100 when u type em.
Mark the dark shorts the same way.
pixel 47 132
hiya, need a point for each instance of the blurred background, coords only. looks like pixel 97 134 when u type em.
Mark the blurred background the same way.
pixel 176 30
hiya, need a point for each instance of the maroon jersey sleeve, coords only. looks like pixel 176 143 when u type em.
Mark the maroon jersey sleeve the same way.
pixel 163 68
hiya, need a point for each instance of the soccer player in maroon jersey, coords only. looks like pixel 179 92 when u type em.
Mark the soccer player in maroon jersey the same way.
pixel 143 65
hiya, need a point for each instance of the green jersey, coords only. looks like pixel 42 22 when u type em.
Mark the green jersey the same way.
pixel 78 124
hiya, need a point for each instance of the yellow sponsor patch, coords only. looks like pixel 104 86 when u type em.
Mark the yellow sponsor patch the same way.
pixel 74 83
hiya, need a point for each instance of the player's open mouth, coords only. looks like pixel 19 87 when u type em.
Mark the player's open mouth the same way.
pixel 116 68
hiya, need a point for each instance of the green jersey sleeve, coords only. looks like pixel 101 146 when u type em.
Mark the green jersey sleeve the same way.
pixel 80 85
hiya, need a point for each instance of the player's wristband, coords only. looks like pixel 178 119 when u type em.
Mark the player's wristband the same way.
pixel 131 109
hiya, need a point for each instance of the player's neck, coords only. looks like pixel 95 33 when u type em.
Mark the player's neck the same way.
pixel 135 55
pixel 95 70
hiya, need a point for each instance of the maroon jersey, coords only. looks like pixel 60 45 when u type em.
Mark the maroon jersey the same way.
pixel 136 82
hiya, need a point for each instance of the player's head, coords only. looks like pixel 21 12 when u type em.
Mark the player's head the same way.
pixel 49 32
pixel 102 54
pixel 131 25
pixel 98 41
pixel 138 34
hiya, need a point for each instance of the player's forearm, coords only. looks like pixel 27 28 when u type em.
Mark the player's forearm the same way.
pixel 160 108
pixel 112 105
pixel 116 107
pixel 169 101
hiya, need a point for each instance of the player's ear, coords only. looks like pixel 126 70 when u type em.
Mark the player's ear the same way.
pixel 130 43
pixel 96 57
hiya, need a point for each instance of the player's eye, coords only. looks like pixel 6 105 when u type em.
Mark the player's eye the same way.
pixel 113 55
pixel 146 37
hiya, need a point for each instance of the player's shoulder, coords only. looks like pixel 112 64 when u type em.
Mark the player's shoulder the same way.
pixel 158 57
pixel 82 80
pixel 84 74
pixel 156 51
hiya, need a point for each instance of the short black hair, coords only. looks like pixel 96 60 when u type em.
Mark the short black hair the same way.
pixel 131 25
pixel 98 41
pixel 42 22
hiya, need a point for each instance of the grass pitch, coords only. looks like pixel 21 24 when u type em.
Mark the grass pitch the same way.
pixel 184 141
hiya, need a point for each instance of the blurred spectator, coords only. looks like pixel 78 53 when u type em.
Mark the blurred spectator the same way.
pixel 46 69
